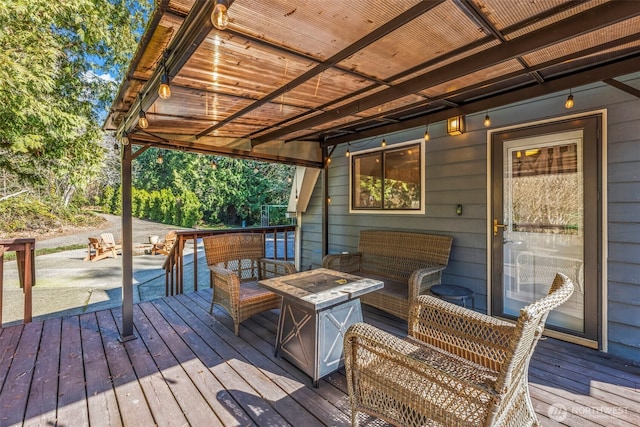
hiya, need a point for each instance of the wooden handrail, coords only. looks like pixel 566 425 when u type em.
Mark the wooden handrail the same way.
pixel 174 264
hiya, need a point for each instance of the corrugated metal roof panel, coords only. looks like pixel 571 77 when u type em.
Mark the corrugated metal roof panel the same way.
pixel 312 27
pixel 429 36
pixel 233 65
pixel 507 14
pixel 601 36
pixel 473 79
pixel 247 79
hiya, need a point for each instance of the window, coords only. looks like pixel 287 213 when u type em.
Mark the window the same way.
pixel 388 180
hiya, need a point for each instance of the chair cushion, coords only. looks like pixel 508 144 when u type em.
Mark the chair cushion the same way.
pixel 396 288
pixel 252 291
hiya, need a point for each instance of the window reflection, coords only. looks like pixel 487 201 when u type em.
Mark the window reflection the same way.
pixel 388 179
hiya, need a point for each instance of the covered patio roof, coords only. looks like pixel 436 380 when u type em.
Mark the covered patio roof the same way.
pixel 286 79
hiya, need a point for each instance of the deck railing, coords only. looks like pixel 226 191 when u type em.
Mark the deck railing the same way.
pixel 174 264
pixel 25 256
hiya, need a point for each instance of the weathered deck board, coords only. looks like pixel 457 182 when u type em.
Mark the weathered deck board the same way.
pixel 101 398
pixel 43 395
pixel 258 376
pixel 290 398
pixel 72 396
pixel 134 408
pixel 13 402
pixel 188 368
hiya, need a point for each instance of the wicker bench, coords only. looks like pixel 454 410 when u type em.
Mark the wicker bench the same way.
pixel 408 264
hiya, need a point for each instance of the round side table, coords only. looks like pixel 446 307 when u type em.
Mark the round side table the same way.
pixel 453 293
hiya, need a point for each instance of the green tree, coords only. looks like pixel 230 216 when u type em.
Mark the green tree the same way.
pixel 107 199
pixel 53 56
pixel 232 191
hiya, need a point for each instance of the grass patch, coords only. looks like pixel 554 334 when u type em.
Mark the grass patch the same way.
pixel 45 251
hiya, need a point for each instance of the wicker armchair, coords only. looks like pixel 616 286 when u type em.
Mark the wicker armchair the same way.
pixel 236 263
pixel 457 367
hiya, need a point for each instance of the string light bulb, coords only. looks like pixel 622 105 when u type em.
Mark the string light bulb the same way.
pixel 124 139
pixel 142 120
pixel 214 164
pixel 219 16
pixel 160 159
pixel 426 134
pixel 164 91
pixel 348 153
pixel 569 102
pixel 143 123
pixel 487 120
pixel 383 143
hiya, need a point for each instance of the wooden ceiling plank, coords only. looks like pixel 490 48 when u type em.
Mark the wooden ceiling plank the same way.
pixel 590 20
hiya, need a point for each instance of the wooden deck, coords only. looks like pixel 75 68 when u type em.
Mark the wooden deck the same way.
pixel 187 368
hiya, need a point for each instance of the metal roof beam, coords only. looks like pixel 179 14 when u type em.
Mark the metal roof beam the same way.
pixel 587 76
pixel 195 28
pixel 186 143
pixel 370 38
pixel 441 99
pixel 588 21
pixel 142 47
pixel 623 87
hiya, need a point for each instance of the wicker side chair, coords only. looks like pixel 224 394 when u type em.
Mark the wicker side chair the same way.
pixel 456 367
pixel 236 263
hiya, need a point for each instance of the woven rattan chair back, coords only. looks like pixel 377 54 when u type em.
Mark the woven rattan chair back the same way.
pixel 529 330
pixel 397 255
pixel 238 252
pixel 456 367
pixel 236 262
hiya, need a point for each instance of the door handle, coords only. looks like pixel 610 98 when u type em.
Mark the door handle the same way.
pixel 496 226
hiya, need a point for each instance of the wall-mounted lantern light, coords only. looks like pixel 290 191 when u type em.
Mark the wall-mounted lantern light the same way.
pixel 455 125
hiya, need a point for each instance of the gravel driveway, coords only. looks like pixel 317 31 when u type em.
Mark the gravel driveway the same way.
pixel 141 228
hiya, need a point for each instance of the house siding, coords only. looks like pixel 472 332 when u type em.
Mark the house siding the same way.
pixel 456 173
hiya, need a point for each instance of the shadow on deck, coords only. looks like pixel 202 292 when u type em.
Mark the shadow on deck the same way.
pixel 188 368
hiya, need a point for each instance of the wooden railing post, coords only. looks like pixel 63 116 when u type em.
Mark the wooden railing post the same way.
pixel 25 257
